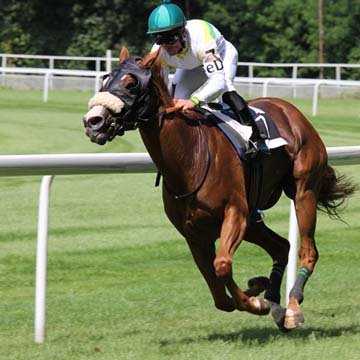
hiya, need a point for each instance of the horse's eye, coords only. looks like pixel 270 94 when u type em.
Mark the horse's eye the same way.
pixel 132 82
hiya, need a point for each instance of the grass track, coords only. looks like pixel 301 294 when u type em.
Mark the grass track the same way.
pixel 122 283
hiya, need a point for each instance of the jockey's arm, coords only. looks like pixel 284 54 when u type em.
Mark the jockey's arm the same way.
pixel 214 87
pixel 214 70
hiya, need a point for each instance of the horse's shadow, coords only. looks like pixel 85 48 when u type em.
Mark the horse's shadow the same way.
pixel 266 335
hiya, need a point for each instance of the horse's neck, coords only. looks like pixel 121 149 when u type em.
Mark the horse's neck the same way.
pixel 176 148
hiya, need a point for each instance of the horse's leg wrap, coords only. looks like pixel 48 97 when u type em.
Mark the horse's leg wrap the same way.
pixel 298 289
pixel 273 291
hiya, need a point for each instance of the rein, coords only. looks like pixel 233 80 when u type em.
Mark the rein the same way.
pixel 168 111
pixel 171 110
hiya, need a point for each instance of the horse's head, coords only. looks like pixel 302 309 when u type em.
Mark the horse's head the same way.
pixel 123 101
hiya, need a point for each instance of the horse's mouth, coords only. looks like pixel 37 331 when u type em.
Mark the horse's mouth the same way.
pixel 97 123
pixel 96 137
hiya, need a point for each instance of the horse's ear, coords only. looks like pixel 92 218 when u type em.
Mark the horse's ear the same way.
pixel 124 54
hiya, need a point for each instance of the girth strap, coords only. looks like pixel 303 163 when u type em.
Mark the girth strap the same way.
pixel 255 179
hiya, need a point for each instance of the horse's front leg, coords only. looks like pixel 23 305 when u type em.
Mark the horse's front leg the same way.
pixel 232 233
pixel 278 248
pixel 203 252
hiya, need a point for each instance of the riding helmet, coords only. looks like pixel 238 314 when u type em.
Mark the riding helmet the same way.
pixel 165 17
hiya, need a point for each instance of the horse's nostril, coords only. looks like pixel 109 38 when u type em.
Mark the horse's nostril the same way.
pixel 95 122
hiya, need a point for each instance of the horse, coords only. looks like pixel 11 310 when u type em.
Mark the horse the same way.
pixel 205 186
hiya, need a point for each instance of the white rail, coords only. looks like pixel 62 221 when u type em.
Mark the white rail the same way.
pixel 316 83
pixel 56 164
pixel 108 59
pixel 52 58
pixel 296 66
pixel 75 164
pixel 265 82
pixel 48 73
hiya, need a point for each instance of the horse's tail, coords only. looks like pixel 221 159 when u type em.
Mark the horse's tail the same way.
pixel 335 189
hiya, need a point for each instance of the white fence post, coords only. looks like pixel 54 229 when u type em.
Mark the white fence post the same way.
pixel 41 259
pixel 97 83
pixel 3 65
pixel 294 76
pixel 315 98
pixel 293 239
pixel 46 87
pixel 108 61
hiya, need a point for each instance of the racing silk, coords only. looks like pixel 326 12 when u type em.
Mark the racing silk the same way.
pixel 205 47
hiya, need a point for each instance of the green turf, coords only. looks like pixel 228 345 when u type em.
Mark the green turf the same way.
pixel 121 281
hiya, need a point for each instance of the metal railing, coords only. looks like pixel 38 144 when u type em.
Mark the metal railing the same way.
pixel 53 59
pixel 251 66
pixel 264 82
pixel 47 73
pixel 293 83
pixel 106 61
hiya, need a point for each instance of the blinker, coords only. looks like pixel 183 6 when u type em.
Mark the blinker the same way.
pixel 129 96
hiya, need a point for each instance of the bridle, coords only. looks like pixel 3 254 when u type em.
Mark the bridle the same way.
pixel 136 98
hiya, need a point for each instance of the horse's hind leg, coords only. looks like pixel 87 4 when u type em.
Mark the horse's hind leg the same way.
pixel 203 253
pixel 305 205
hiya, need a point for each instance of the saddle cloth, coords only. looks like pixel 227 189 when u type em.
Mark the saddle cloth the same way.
pixel 239 134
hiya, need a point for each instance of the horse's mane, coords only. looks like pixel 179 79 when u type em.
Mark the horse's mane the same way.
pixel 154 62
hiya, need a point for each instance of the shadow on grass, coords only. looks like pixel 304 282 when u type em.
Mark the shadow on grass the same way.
pixel 267 335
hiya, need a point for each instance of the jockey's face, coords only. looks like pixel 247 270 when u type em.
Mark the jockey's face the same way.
pixel 172 49
pixel 171 42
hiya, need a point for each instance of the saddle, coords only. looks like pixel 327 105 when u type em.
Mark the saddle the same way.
pixel 223 117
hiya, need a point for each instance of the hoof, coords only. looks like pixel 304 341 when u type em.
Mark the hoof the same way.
pixel 293 319
pixel 259 306
pixel 293 316
pixel 278 314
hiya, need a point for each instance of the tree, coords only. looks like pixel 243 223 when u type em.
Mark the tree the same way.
pixel 263 31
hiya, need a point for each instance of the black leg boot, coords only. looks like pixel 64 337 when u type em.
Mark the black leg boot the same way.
pixel 243 115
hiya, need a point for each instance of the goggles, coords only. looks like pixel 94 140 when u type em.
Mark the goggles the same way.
pixel 167 39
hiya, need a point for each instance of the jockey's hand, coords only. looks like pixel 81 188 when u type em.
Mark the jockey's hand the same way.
pixel 184 104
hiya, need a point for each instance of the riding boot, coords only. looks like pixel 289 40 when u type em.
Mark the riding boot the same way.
pixel 243 115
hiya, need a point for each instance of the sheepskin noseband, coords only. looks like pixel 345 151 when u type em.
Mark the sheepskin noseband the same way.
pixel 108 100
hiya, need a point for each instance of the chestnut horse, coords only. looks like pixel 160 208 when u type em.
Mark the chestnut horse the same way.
pixel 205 187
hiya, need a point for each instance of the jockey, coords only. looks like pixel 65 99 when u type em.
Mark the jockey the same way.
pixel 205 64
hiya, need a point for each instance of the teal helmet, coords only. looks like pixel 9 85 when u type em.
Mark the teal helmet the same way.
pixel 165 17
